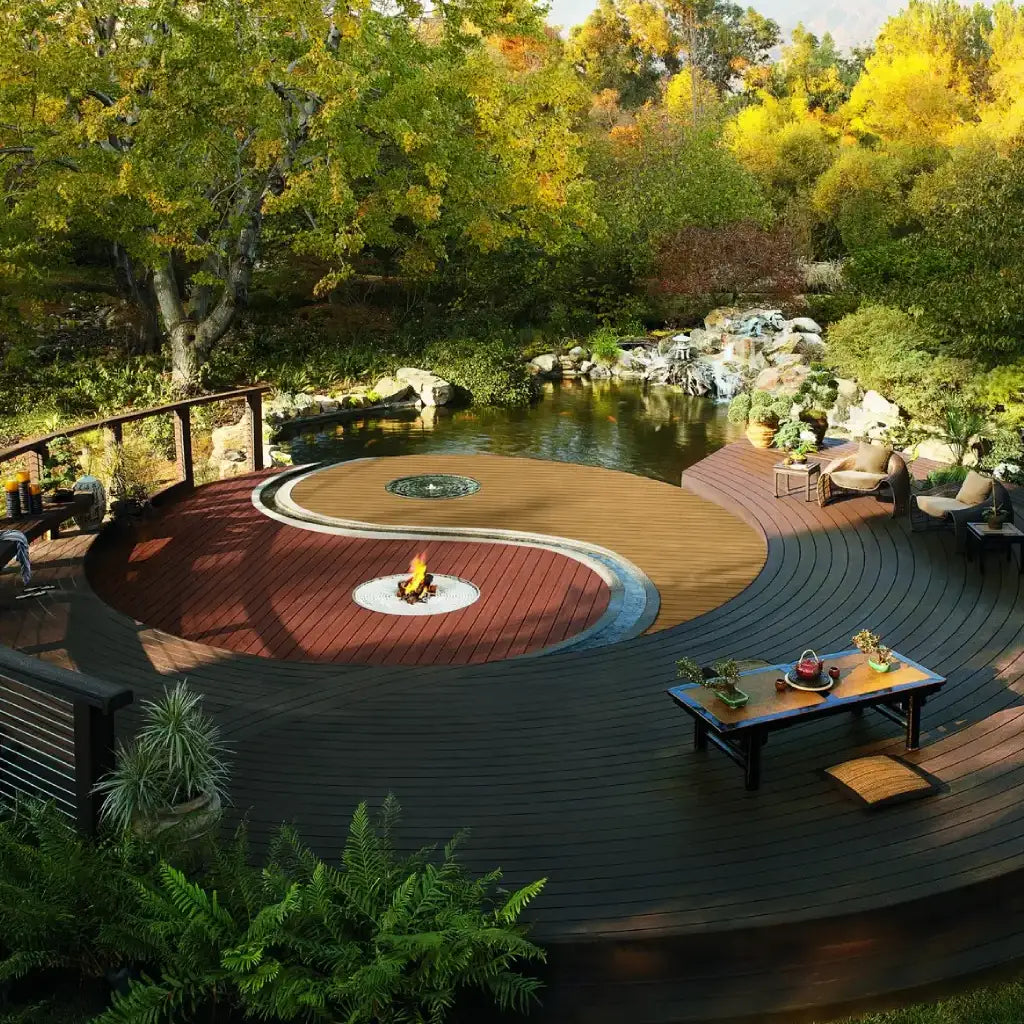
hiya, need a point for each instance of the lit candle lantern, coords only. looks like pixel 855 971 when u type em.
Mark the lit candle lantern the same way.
pixel 35 498
pixel 22 479
pixel 12 501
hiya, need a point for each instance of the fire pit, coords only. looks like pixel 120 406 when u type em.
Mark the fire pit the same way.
pixel 420 584
pixel 417 593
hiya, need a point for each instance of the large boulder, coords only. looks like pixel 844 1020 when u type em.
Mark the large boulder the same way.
pixel 705 341
pixel 433 390
pixel 805 325
pixel 546 365
pixel 782 380
pixel 599 372
pixel 872 415
pixel 391 390
pixel 786 358
pixel 719 319
pixel 577 354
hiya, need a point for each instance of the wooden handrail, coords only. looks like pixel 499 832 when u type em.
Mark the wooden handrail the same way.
pixel 34 444
pixel 72 686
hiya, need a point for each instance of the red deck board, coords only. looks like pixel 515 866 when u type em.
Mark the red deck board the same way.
pixel 227 576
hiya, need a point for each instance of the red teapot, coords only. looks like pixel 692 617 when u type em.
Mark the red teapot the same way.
pixel 808 668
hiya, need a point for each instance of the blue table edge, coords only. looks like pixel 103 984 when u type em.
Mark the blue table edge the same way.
pixel 681 692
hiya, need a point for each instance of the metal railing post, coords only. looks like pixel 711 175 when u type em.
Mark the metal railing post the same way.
pixel 183 445
pixel 94 758
pixel 254 424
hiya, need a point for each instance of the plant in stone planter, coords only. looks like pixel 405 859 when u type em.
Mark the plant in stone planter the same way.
pixel 721 677
pixel 880 657
pixel 170 780
pixel 815 396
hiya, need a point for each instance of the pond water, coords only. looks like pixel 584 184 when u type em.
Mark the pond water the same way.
pixel 656 432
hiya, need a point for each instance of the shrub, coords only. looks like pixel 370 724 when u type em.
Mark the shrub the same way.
pixel 961 424
pixel 946 475
pixel 894 353
pixel 604 346
pixel 789 434
pixel 376 940
pixel 62 896
pixel 827 309
pixel 728 260
pixel 739 408
pixel 491 371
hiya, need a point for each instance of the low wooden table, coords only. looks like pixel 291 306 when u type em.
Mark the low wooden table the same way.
pixel 980 539
pixel 898 694
pixel 806 471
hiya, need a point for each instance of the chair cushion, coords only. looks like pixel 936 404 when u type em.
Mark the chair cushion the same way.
pixel 856 480
pixel 881 780
pixel 872 458
pixel 937 505
pixel 975 489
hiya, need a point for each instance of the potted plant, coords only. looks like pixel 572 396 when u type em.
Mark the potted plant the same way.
pixel 169 781
pixel 879 656
pixel 995 515
pixel 816 395
pixel 61 469
pixel 722 679
pixel 761 413
pixel 799 454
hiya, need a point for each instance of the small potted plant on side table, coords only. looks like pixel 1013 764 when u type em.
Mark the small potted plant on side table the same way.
pixel 995 515
pixel 724 676
pixel 879 656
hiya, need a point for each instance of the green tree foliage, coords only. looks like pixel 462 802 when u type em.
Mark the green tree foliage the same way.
pixel 965 266
pixel 628 45
pixel 178 132
pixel 378 940
pixel 814 70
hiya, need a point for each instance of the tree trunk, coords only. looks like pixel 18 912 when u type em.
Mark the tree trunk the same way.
pixel 135 283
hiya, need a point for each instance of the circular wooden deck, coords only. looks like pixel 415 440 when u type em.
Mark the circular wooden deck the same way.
pixel 673 894
pixel 697 554
pixel 216 571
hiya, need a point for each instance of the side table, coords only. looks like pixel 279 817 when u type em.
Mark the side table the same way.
pixel 981 539
pixel 807 472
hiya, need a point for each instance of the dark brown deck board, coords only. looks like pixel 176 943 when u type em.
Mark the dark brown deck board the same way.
pixel 577 766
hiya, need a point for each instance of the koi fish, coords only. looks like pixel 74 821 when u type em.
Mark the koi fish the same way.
pixel 612 419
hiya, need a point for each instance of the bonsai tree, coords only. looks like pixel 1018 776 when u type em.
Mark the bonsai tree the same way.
pixel 870 644
pixel 724 679
pixel 61 467
pixel 788 437
pixel 995 515
pixel 760 407
pixel 172 773
pixel 818 393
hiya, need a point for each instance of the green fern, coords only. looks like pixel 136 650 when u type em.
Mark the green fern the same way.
pixel 380 940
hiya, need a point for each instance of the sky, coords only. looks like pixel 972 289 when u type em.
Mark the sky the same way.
pixel 850 23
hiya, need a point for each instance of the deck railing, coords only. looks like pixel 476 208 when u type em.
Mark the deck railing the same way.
pixel 57 726
pixel 35 450
pixel 56 735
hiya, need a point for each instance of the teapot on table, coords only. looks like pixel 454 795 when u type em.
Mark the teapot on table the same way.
pixel 808 668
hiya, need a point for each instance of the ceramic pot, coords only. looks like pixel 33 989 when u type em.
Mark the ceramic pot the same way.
pixel 760 435
pixel 183 822
pixel 733 699
pixel 879 666
pixel 995 522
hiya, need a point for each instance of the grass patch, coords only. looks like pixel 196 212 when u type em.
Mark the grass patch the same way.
pixel 996 1004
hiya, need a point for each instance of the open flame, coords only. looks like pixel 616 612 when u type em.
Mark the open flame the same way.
pixel 417 574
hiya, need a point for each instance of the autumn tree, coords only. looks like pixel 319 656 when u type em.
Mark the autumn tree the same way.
pixel 178 132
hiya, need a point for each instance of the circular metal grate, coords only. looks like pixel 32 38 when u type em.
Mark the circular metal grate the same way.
pixel 433 485
pixel 380 595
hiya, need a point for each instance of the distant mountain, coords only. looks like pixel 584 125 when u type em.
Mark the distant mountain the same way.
pixel 850 23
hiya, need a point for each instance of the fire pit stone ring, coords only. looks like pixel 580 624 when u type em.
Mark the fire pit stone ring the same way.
pixel 379 595
pixel 433 485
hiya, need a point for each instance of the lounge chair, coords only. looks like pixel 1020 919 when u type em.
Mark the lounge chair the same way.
pixel 953 506
pixel 872 470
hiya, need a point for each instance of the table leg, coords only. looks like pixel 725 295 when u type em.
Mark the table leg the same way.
pixel 753 740
pixel 914 704
pixel 776 485
pixel 700 734
pixel 808 495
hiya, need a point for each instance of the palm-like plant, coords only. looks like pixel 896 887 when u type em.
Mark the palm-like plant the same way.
pixel 377 940
pixel 176 757
pixel 961 423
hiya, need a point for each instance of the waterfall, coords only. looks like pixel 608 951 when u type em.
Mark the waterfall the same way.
pixel 726 379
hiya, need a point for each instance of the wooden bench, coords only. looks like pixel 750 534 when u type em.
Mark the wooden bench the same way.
pixel 48 522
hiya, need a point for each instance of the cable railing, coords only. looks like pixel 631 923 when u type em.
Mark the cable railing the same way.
pixel 56 735
pixel 57 726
